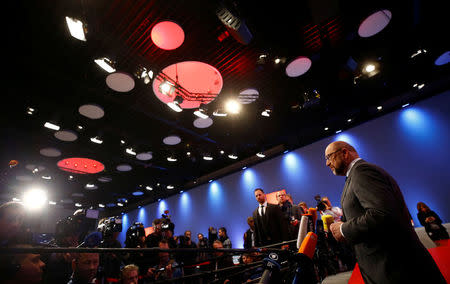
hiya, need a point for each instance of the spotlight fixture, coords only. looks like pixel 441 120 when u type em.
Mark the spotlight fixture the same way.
pixel 405 105
pixel 339 131
pixel 233 106
pixel 349 120
pixel 96 140
pixel 122 142
pixel 277 60
pixel 130 151
pixel 78 205
pixel 232 156
pixel 119 204
pixel 51 126
pixel 210 181
pixel 260 155
pixel 420 51
pixel 171 159
pixel 148 188
pixel 166 88
pixel 144 74
pixel 244 168
pixel 219 112
pixel 170 187
pixel 326 128
pixel 201 112
pixel 106 64
pixel 175 105
pixel 101 205
pixel 222 152
pixel 52 202
pixel 207 158
pixel 266 112
pixel 188 154
pixel 371 69
pixel 379 107
pixel 30 110
pixel 79 127
pixel 76 28
pixel 47 177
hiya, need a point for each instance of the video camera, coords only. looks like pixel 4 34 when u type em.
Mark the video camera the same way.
pixel 134 234
pixel 110 225
pixel 166 223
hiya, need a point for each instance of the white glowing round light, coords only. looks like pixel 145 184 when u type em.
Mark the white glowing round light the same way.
pixel 369 68
pixel 232 106
pixel 35 199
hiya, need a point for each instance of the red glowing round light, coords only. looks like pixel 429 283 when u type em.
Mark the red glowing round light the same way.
pixel 197 78
pixel 81 165
pixel 167 35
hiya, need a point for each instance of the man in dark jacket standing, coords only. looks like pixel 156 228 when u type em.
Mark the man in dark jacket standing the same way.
pixel 270 225
pixel 377 223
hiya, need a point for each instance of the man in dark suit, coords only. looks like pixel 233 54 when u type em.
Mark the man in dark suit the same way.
pixel 270 225
pixel 377 223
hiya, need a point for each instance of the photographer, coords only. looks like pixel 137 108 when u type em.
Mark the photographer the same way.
pixel 110 262
pixel 167 268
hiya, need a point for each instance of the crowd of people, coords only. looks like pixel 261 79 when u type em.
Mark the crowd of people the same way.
pixel 352 234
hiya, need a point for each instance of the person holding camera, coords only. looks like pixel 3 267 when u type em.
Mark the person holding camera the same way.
pixel 166 269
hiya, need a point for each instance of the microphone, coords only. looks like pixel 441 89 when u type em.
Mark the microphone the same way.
pixel 327 221
pixel 303 229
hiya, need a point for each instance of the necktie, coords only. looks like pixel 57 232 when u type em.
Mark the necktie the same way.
pixel 262 211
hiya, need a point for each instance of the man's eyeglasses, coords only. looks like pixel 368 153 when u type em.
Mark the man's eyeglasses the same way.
pixel 327 157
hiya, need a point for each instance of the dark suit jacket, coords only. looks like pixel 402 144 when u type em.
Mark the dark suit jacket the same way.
pixel 272 228
pixel 378 225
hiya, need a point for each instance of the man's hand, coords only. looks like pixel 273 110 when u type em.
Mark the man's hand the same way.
pixel 336 231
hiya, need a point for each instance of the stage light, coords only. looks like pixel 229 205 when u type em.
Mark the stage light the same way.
pixel 171 159
pixel 148 188
pixel 210 181
pixel 277 60
pixel 188 154
pixel 244 168
pixel 106 64
pixel 35 199
pixel 52 202
pixel 101 205
pixel 167 88
pixel 78 205
pixel 51 126
pixel 326 128
pixel 80 127
pixel 16 199
pixel 201 112
pixel 122 142
pixel 76 28
pixel 96 140
pixel 119 204
pixel 175 105
pixel 222 152
pixel 260 155
pixel 379 107
pixel 369 68
pixel 232 106
pixel 170 187
pixel 207 158
pixel 405 105
pixel 349 120
pixel 219 112
pixel 130 151
pixel 339 131
pixel 232 156
pixel 266 112
pixel 90 185
pixel 47 177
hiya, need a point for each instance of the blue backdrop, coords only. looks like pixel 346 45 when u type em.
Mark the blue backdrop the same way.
pixel 412 144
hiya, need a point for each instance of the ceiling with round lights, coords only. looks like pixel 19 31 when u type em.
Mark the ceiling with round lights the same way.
pixel 50 152
pixel 120 82
pixel 199 83
pixel 169 71
pixel 66 135
pixel 81 165
pixel 203 122
pixel 91 111
pixel 172 140
pixel 167 35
